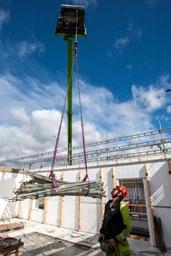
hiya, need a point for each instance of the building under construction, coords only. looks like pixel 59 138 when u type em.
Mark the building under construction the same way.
pixel 67 222
pixel 141 162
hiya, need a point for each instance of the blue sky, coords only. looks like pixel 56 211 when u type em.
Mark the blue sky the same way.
pixel 124 63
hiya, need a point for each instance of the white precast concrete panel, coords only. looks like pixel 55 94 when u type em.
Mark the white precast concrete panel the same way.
pixel 90 209
pixel 3 203
pixel 165 215
pixel 90 214
pixel 8 182
pixel 107 179
pixel 69 203
pixel 37 215
pixel 69 212
pixel 24 209
pixel 52 210
pixel 160 186
pixel 53 207
pixel 130 171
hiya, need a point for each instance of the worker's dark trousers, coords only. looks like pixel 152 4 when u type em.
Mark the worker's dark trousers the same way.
pixel 122 249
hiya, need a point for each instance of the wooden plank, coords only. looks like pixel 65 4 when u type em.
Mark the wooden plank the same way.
pixel 11 226
pixel 30 208
pixel 11 246
pixel 10 170
pixel 137 237
pixel 132 182
pixel 137 205
pixel 138 213
pixel 147 191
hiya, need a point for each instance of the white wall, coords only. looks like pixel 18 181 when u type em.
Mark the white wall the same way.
pixel 160 186
pixel 130 171
pixel 90 207
pixel 8 181
pixel 68 216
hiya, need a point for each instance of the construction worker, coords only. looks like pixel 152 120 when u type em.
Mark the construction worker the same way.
pixel 116 225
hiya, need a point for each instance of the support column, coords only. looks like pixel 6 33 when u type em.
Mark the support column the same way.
pixel 45 210
pixel 146 183
pixel 60 207
pixel 30 208
pixel 78 205
pixel 70 55
pixel 102 200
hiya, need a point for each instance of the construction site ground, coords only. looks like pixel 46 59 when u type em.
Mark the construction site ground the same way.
pixel 45 240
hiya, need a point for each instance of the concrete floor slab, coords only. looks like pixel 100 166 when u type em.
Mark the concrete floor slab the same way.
pixel 42 239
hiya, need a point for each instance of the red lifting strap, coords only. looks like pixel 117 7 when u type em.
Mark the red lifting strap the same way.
pixel 54 182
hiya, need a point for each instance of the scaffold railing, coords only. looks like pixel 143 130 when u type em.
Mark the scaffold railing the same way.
pixel 150 143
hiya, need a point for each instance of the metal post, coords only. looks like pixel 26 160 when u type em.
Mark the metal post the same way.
pixel 70 53
pixel 162 140
pixel 146 183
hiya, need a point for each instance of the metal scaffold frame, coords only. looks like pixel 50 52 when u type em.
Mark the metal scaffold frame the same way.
pixel 152 143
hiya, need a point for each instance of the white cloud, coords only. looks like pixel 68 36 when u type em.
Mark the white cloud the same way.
pixel 4 17
pixel 121 42
pixel 34 136
pixel 44 124
pixel 20 49
pixel 26 48
pixel 164 80
pixel 113 118
pixel 151 98
pixel 19 114
pixel 128 66
pixel 30 112
pixel 91 132
pixel 169 109
pixel 28 93
pixel 134 31
pixel 15 141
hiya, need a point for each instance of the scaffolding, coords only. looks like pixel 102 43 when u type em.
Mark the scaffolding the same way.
pixel 151 143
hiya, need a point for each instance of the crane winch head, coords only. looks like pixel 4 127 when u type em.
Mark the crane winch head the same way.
pixel 71 21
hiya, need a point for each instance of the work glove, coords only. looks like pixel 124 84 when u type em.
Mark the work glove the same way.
pixel 112 244
pixel 101 238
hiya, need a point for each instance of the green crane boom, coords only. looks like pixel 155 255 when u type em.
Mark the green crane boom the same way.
pixel 70 55
pixel 70 24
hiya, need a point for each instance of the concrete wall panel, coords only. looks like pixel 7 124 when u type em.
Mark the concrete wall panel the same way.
pixel 69 203
pixel 160 189
pixel 165 215
pixel 36 214
pixel 90 208
pixel 52 210
pixel 130 171
pixel 8 182
pixel 24 209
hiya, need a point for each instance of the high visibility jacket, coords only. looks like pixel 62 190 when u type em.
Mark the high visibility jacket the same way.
pixel 116 224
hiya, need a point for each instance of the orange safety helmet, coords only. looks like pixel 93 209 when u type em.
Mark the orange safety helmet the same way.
pixel 123 190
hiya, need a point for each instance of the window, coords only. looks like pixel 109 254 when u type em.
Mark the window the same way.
pixel 40 203
pixel 136 197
